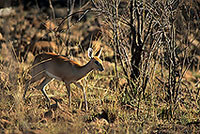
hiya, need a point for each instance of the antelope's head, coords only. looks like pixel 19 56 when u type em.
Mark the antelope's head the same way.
pixel 95 60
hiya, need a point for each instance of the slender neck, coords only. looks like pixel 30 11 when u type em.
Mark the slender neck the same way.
pixel 84 70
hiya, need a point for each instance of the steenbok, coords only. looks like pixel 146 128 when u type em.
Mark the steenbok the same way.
pixel 51 66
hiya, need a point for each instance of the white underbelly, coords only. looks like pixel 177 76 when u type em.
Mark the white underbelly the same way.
pixel 53 76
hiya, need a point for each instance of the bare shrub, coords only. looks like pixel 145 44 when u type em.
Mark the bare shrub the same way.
pixel 144 39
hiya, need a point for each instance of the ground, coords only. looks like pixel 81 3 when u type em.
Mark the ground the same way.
pixel 110 109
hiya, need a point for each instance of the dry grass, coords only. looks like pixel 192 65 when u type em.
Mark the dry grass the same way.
pixel 110 109
pixel 106 112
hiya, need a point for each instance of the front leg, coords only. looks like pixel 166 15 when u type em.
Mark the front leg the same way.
pixel 81 87
pixel 69 93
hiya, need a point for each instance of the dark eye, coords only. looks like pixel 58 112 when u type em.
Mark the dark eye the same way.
pixel 96 62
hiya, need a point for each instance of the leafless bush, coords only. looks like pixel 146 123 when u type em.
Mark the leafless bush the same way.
pixel 143 35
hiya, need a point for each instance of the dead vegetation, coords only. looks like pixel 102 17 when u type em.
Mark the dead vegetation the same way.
pixel 162 38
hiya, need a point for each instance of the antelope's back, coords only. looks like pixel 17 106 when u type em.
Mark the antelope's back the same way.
pixel 40 58
pixel 49 62
pixel 39 62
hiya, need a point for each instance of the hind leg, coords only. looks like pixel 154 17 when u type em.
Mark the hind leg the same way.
pixel 43 85
pixel 37 77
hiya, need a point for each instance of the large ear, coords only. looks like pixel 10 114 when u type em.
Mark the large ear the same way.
pixel 90 53
pixel 98 54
